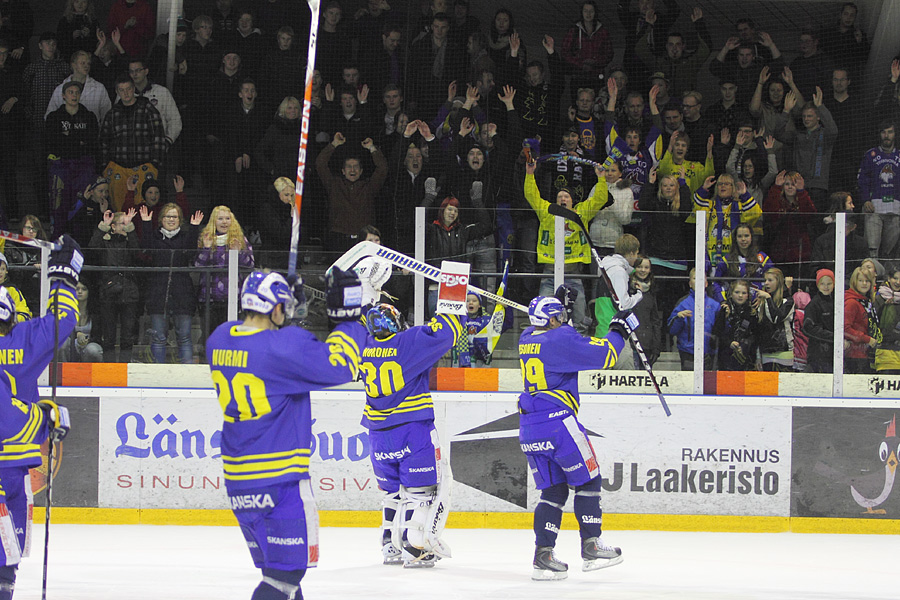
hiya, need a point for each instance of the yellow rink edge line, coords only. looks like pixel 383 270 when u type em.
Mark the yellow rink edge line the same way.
pixel 489 520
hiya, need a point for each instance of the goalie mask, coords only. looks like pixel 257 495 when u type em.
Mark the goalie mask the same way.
pixel 384 321
pixel 262 292
pixel 7 306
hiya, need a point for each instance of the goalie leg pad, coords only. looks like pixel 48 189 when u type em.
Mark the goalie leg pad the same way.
pixel 390 529
pixel 20 503
pixel 10 552
pixel 7 582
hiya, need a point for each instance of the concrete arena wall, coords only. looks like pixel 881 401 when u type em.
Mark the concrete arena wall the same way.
pixel 139 453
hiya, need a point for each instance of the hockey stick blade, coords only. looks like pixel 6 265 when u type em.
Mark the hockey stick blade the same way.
pixel 365 249
pixel 27 241
pixel 558 210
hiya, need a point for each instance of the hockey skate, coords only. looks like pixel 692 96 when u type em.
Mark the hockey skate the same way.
pixel 546 566
pixel 597 555
pixel 392 554
pixel 415 558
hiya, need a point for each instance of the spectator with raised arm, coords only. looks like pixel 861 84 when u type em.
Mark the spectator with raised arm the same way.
pixel 119 294
pixel 726 208
pixel 624 143
pixel 170 294
pixel 652 20
pixel 679 67
pixel 788 212
pixel 137 23
pixel 744 72
pixel 351 197
pixel 538 95
pixel 673 161
pixel 812 146
pixel 151 194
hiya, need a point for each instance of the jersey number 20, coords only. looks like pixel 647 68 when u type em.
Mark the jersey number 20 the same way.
pixel 247 391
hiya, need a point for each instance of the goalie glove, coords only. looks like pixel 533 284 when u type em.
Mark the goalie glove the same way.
pixel 57 418
pixel 65 264
pixel 567 295
pixel 624 322
pixel 373 273
pixel 344 296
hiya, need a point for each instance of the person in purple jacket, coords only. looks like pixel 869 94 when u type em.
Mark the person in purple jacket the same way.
pixel 221 234
pixel 879 190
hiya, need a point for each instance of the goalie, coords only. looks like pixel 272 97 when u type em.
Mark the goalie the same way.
pixel 405 451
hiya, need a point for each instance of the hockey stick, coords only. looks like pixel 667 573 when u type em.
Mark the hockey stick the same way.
pixel 304 137
pixel 561 211
pixel 365 249
pixel 54 367
pixel 27 241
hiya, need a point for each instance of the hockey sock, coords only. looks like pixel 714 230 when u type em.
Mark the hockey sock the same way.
pixel 275 585
pixel 548 514
pixel 7 582
pixel 588 510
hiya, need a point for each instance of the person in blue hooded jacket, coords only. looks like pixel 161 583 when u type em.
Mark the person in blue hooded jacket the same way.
pixel 681 325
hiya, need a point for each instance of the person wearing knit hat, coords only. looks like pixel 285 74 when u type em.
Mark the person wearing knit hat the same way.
pixel 447 239
pixel 23 313
pixel 818 325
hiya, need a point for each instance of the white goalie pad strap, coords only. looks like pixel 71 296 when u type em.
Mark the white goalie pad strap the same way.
pixel 285 588
pixel 29 518
pixel 8 540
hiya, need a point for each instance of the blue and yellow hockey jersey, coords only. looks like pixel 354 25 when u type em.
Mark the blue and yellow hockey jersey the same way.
pixel 395 371
pixel 550 361
pixel 263 379
pixel 24 353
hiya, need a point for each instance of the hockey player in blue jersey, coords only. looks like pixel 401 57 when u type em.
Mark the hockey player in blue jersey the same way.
pixel 26 421
pixel 559 453
pixel 404 446
pixel 263 374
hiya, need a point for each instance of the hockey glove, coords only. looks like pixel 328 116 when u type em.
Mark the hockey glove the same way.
pixel 624 322
pixel 57 418
pixel 567 294
pixel 297 310
pixel 65 263
pixel 344 296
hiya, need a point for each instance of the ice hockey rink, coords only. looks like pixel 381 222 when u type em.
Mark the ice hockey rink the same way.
pixel 138 562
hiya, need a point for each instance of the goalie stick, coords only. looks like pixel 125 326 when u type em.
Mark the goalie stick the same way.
pixel 27 241
pixel 365 249
pixel 304 137
pixel 561 211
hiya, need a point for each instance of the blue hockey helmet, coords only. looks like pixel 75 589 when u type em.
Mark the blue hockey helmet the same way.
pixel 383 320
pixel 543 308
pixel 7 306
pixel 262 292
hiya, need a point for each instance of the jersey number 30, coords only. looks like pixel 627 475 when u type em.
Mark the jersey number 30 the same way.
pixel 389 378
pixel 247 391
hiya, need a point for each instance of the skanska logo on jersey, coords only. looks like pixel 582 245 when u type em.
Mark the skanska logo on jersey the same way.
pixel 537 446
pixel 392 455
pixel 421 469
pixel 249 501
pixel 280 541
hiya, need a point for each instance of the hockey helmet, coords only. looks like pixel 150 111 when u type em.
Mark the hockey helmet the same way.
pixel 383 320
pixel 7 306
pixel 543 308
pixel 262 292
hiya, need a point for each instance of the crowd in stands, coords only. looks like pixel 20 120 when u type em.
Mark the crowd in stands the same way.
pixel 424 105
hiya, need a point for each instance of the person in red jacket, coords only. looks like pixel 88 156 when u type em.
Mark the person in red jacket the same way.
pixel 787 212
pixel 861 332
pixel 587 48
pixel 136 22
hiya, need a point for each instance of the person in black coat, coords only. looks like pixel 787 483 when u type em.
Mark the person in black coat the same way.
pixel 818 325
pixel 446 238
pixel 736 329
pixel 118 290
pixel 170 293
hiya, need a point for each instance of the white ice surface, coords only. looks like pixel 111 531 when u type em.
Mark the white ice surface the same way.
pixel 105 562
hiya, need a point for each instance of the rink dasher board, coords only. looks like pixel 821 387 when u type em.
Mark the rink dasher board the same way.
pixel 717 462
